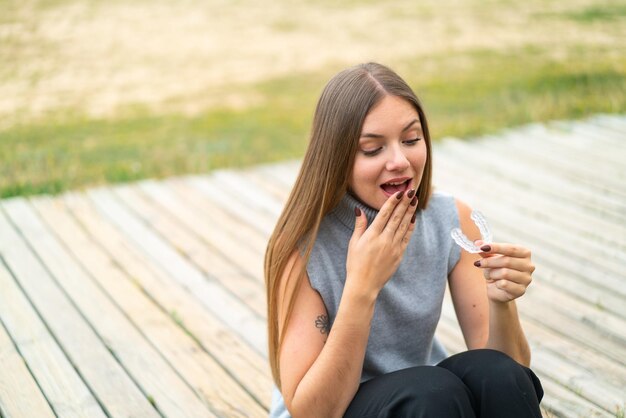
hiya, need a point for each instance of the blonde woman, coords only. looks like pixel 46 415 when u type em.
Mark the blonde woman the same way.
pixel 357 267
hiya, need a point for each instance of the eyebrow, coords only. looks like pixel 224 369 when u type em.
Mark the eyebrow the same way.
pixel 406 128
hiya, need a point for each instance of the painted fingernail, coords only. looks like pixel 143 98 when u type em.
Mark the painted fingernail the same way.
pixel 399 195
pixel 477 263
pixel 410 193
pixel 414 201
pixel 413 218
pixel 486 248
pixel 357 211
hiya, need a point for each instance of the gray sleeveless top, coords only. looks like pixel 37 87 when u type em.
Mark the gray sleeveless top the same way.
pixel 408 308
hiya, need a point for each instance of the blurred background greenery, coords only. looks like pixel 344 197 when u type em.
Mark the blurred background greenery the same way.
pixel 100 92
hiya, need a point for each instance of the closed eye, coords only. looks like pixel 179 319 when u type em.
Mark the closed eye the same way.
pixel 412 141
pixel 372 152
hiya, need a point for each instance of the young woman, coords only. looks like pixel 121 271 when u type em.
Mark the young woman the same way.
pixel 357 267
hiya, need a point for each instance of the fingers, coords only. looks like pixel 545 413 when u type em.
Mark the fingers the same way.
pixel 407 225
pixel 401 218
pixel 507 268
pixel 513 290
pixel 519 264
pixel 386 212
pixel 515 266
pixel 393 212
pixel 360 223
pixel 515 276
pixel 510 250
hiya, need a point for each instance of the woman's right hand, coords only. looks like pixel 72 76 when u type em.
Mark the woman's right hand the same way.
pixel 374 253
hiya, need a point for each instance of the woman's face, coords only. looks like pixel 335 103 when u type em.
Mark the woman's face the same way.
pixel 391 155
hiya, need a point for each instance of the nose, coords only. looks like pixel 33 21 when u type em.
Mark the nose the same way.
pixel 397 161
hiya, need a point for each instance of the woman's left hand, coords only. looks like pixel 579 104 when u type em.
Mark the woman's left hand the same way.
pixel 507 269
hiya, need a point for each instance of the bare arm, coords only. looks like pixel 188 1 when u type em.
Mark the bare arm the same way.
pixel 320 374
pixel 484 296
pixel 329 366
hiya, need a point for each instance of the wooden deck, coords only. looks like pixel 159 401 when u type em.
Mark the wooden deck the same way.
pixel 147 299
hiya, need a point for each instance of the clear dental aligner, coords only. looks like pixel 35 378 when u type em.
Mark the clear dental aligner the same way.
pixel 485 234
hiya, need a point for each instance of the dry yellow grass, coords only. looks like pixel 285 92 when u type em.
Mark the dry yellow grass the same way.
pixel 186 56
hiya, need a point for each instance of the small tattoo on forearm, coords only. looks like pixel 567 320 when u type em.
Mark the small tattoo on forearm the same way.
pixel 322 324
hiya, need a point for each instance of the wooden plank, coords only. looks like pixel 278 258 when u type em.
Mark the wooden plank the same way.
pixel 137 356
pixel 284 173
pixel 545 338
pixel 543 180
pixel 579 277
pixel 255 176
pixel 611 123
pixel 203 224
pixel 594 316
pixel 229 350
pixel 212 295
pixel 578 222
pixel 264 202
pixel 540 226
pixel 244 234
pixel 585 325
pixel 578 380
pixel 539 151
pixel 569 217
pixel 205 256
pixel 561 402
pixel 201 373
pixel 586 375
pixel 608 144
pixel 20 397
pixel 260 202
pixel 558 400
pixel 601 147
pixel 589 360
pixel 542 231
pixel 85 350
pixel 230 233
pixel 235 203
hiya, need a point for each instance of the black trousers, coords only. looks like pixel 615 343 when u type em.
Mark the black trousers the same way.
pixel 475 383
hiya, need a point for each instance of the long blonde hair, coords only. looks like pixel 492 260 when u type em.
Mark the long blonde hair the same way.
pixel 323 179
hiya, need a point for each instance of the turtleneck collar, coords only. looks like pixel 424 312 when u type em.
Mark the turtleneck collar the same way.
pixel 345 210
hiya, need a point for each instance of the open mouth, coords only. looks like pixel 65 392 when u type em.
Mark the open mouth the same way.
pixel 393 187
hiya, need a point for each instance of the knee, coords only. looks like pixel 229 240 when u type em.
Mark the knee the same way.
pixel 488 368
pixel 433 391
pixel 493 363
pixel 431 382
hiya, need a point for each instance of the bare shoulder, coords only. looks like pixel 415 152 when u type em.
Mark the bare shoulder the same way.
pixel 295 284
pixel 288 283
pixel 467 287
pixel 465 221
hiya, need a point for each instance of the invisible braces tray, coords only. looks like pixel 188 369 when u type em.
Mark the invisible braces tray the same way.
pixel 485 233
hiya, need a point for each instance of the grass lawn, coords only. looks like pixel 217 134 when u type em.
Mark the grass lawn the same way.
pixel 470 92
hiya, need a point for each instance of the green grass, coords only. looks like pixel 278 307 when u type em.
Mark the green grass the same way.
pixel 468 94
pixel 602 13
pixel 489 92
